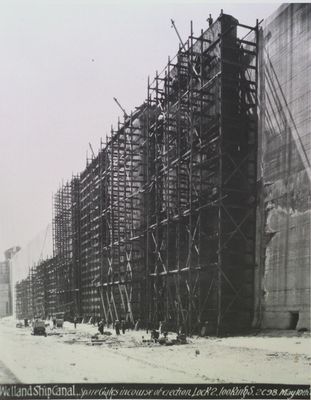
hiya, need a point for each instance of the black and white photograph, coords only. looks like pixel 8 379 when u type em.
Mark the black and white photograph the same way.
pixel 155 202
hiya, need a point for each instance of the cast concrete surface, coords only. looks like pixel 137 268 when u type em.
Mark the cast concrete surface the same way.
pixel 283 275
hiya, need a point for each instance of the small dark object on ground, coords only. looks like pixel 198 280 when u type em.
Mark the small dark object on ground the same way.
pixel 98 340
pixel 155 334
pixel 162 340
pixel 59 323
pixel 181 338
pixel 39 328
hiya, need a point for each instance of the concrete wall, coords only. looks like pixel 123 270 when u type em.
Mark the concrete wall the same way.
pixel 4 289
pixel 283 252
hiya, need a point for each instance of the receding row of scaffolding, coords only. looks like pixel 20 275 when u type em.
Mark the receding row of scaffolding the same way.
pixel 161 223
pixel 36 295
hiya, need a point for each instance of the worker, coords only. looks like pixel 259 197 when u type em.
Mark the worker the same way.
pixel 117 327
pixel 123 326
pixel 75 320
pixel 181 330
pixel 155 335
pixel 137 325
pixel 204 329
pixel 147 326
pixel 101 327
pixel 54 322
pixel 210 20
pixel 163 328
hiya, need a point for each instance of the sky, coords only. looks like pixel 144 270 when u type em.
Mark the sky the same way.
pixel 62 62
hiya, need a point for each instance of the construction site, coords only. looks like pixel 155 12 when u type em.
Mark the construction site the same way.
pixel 181 252
pixel 196 208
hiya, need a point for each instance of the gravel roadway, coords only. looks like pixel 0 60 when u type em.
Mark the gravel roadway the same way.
pixel 66 356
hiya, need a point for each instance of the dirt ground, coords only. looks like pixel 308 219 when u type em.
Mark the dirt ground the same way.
pixel 69 355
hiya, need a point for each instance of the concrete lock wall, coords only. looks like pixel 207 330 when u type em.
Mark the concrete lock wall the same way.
pixel 282 284
pixel 4 289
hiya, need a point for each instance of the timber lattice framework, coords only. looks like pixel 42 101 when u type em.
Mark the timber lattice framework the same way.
pixel 160 226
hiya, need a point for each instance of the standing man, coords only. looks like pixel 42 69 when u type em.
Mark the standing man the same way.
pixel 117 327
pixel 123 326
pixel 101 327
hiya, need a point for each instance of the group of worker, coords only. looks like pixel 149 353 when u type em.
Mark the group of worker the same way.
pixel 123 325
pixel 118 326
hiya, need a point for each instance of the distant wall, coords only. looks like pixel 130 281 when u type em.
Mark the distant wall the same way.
pixel 282 285
pixel 4 300
pixel 4 289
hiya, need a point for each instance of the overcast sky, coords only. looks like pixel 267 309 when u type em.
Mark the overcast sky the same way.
pixel 61 64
